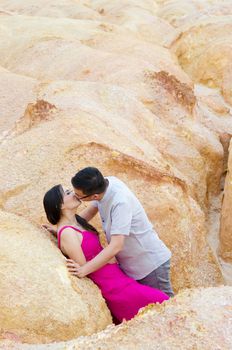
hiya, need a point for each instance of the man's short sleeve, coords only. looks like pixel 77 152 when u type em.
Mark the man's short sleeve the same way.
pixel 121 216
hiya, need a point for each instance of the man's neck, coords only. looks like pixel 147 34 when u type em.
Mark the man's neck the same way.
pixel 101 195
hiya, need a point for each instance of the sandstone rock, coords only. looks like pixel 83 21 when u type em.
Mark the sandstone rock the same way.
pixel 85 39
pixel 174 11
pixel 158 91
pixel 148 5
pixel 225 229
pixel 184 12
pixel 137 17
pixel 103 128
pixel 92 82
pixel 204 51
pixel 174 102
pixel 51 8
pixel 195 319
pixel 207 46
pixel 118 109
pixel 159 57
pixel 216 115
pixel 139 77
pixel 40 302
pixel 69 9
pixel 226 84
pixel 15 93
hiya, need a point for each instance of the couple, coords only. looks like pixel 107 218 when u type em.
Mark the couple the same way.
pixel 140 275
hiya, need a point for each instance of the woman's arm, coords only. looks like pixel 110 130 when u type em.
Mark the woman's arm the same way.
pixel 104 257
pixel 71 246
pixel 50 228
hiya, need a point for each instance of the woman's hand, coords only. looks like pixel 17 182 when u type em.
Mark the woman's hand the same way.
pixel 75 269
pixel 50 229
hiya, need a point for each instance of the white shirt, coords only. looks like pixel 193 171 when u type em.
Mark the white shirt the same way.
pixel 122 213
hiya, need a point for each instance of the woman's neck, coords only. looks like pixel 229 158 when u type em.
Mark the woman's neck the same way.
pixel 68 218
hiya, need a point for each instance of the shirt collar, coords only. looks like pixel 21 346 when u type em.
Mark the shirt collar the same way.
pixel 107 192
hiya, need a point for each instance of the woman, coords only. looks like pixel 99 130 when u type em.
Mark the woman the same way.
pixel 79 241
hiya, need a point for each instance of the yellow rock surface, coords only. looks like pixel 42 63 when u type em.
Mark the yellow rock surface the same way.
pixel 51 8
pixel 16 92
pixel 39 301
pixel 96 82
pixel 117 143
pixel 195 319
pixel 204 51
pixel 226 227
pixel 28 44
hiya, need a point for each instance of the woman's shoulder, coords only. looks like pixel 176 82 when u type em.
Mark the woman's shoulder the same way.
pixel 69 235
pixel 67 229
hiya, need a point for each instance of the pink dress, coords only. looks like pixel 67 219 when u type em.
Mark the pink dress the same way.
pixel 124 296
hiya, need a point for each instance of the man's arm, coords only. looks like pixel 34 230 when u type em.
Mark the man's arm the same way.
pixel 89 212
pixel 114 247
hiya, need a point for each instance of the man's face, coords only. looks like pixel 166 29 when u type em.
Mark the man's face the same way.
pixel 83 197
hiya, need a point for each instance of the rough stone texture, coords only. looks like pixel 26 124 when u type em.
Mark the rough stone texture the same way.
pixel 93 45
pixel 51 8
pixel 215 114
pixel 226 218
pixel 39 301
pixel 179 12
pixel 93 82
pixel 203 48
pixel 16 92
pixel 195 319
pixel 183 143
pixel 204 51
pixel 135 16
pixel 174 11
pixel 120 145
pixel 208 8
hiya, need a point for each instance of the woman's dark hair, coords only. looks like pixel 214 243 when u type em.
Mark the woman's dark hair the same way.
pixel 53 201
pixel 86 225
pixel 90 181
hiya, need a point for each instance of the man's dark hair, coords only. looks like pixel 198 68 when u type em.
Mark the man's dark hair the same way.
pixel 90 181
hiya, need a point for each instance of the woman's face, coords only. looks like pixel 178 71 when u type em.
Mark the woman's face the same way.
pixel 70 201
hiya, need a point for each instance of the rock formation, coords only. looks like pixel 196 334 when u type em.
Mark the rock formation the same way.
pixel 195 319
pixel 142 90
pixel 226 227
pixel 203 48
pixel 16 91
pixel 121 145
pixel 39 301
pixel 206 57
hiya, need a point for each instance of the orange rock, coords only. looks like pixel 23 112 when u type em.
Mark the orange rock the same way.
pixel 204 51
pixel 69 147
pixel 94 83
pixel 15 93
pixel 39 301
pixel 225 228
pixel 195 319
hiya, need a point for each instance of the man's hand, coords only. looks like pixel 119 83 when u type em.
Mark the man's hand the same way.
pixel 75 269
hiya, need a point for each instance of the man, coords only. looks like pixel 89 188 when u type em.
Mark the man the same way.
pixel 131 237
